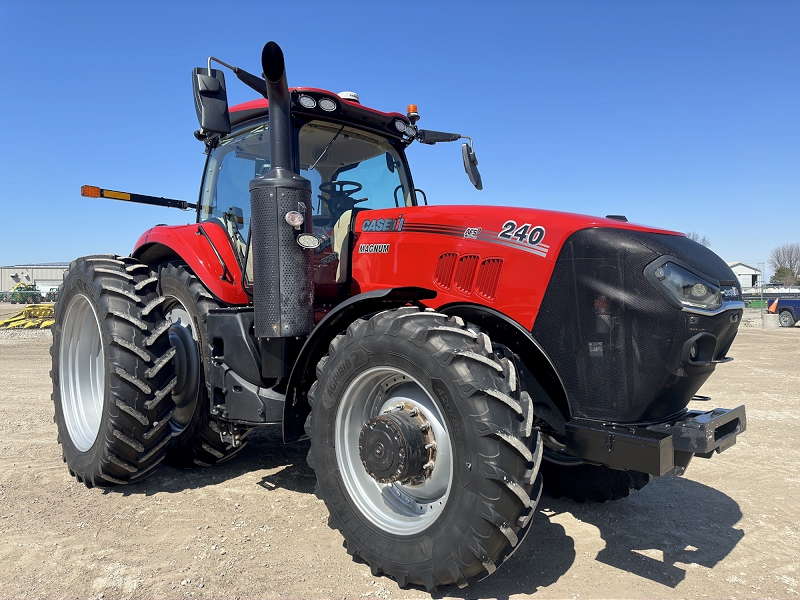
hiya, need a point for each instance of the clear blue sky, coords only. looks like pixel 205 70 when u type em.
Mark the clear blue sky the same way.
pixel 683 115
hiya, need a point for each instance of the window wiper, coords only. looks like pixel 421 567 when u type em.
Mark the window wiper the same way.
pixel 324 152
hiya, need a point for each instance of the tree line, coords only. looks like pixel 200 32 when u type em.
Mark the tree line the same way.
pixel 785 260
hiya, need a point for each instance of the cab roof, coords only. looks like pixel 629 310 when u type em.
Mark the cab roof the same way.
pixel 335 109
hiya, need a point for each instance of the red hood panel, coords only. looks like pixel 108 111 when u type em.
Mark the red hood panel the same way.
pixel 499 256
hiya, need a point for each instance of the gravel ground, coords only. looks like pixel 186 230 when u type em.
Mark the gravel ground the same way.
pixel 253 528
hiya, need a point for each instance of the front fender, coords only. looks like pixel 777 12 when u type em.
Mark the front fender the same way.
pixel 205 248
pixel 335 322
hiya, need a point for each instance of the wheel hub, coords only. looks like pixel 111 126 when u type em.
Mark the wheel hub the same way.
pixel 187 367
pixel 398 446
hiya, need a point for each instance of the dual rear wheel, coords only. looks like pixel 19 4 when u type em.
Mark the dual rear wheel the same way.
pixel 128 385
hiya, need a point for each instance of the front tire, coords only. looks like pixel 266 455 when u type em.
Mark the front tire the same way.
pixel 786 319
pixel 112 371
pixel 423 448
pixel 196 439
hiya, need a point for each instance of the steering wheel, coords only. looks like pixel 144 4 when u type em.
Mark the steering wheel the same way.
pixel 340 200
pixel 338 188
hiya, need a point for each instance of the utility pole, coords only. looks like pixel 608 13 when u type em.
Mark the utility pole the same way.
pixel 761 288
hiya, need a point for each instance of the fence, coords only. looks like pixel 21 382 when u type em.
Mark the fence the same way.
pixel 28 296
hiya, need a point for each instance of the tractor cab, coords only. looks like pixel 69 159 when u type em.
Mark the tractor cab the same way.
pixel 353 156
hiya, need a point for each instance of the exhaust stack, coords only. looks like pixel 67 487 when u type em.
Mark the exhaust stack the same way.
pixel 283 288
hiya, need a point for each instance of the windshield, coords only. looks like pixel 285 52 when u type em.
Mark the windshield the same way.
pixel 349 170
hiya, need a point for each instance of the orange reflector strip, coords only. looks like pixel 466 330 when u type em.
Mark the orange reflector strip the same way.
pixel 90 191
pixel 116 195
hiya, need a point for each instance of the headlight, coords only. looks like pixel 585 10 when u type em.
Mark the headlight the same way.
pixel 690 290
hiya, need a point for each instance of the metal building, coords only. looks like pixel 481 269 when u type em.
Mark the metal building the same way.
pixel 44 276
pixel 749 277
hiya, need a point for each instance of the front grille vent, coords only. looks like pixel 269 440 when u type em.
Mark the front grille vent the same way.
pixel 488 278
pixel 465 273
pixel 443 276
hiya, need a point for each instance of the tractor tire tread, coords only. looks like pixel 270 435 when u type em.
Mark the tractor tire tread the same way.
pixel 200 443
pixel 487 383
pixel 121 449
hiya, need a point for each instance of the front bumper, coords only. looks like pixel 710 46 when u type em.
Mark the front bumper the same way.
pixel 658 449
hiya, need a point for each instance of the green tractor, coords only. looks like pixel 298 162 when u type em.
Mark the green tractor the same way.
pixel 23 293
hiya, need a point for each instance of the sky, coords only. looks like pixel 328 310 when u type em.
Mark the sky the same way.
pixel 678 114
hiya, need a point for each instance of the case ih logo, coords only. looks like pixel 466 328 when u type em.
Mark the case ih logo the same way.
pixel 730 292
pixel 472 232
pixel 383 224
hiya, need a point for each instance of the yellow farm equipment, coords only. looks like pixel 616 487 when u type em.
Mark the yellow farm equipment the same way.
pixel 36 316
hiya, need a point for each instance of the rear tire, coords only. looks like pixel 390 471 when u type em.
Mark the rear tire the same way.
pixel 581 482
pixel 196 439
pixel 476 501
pixel 786 319
pixel 111 372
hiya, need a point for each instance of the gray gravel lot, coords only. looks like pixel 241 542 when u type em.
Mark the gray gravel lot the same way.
pixel 253 528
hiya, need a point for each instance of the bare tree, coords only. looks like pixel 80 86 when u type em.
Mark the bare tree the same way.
pixel 786 256
pixel 700 239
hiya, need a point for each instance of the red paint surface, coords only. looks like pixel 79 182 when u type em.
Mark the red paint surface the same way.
pixel 413 256
pixel 195 250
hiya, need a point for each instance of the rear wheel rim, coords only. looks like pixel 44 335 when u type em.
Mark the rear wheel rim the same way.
pixel 785 319
pixel 395 508
pixel 82 372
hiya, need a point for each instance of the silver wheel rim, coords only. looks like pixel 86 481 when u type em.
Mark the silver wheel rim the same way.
pixel 785 319
pixel 81 372
pixel 178 315
pixel 395 508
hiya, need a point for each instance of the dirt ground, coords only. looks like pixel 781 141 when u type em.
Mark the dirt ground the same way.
pixel 252 528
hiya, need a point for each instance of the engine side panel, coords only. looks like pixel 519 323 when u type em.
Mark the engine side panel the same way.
pixel 196 245
pixel 501 257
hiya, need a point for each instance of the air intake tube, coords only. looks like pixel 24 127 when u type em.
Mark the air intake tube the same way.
pixel 283 287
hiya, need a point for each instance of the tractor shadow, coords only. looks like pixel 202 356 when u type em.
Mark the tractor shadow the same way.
pixel 265 450
pixel 670 523
pixel 656 533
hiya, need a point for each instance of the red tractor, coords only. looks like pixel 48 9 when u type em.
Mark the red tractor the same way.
pixel 446 362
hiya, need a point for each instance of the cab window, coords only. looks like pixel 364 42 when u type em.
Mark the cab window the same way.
pixel 350 169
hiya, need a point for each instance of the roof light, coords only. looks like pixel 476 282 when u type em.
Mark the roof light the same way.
pixel 412 113
pixel 327 104
pixel 400 125
pixel 307 102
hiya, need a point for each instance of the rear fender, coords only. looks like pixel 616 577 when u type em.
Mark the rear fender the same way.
pixel 205 248
pixel 335 322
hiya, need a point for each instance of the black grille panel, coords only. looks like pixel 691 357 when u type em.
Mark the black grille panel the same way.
pixel 614 339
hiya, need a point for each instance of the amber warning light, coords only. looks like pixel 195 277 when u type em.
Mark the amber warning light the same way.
pixel 90 191
pixel 412 113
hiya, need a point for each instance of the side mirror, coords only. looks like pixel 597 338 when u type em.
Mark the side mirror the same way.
pixel 211 100
pixel 471 166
